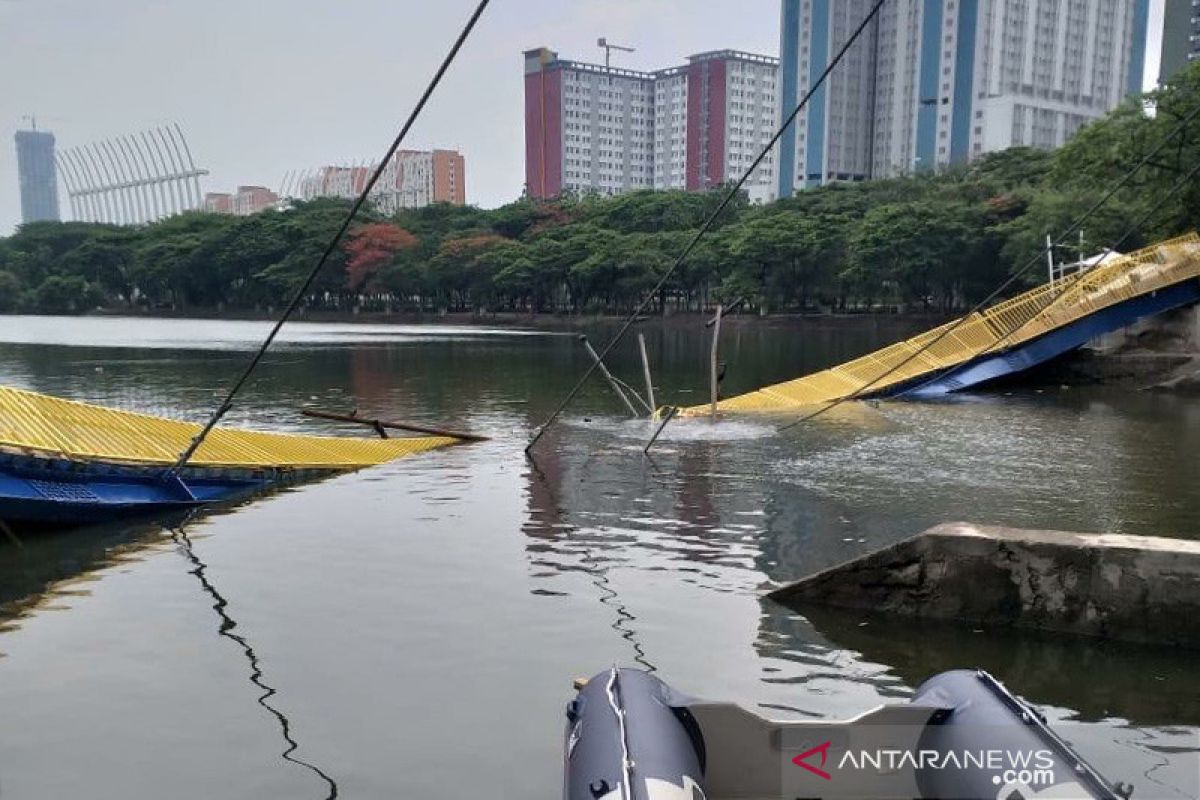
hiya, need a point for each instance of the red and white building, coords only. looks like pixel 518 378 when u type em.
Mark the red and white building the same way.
pixel 413 178
pixel 218 202
pixel 245 201
pixel 590 128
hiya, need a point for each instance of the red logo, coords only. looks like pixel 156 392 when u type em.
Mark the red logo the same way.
pixel 823 749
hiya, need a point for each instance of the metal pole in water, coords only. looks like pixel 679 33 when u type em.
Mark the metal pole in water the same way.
pixel 671 412
pixel 712 361
pixel 646 370
pixel 608 376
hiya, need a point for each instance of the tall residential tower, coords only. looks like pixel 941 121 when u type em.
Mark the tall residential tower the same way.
pixel 37 175
pixel 936 82
pixel 831 138
pixel 1180 38
pixel 610 130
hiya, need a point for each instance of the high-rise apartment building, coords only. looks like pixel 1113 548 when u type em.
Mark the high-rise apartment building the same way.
pixel 37 175
pixel 610 130
pixel 1194 54
pixel 935 82
pixel 413 178
pixel 1176 38
pixel 831 138
pixel 448 173
pixel 1180 37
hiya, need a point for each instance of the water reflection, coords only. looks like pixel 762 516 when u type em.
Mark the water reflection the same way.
pixel 1097 680
pixel 227 629
pixel 552 539
pixel 41 569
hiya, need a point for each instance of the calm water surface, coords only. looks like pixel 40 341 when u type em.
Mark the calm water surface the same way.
pixel 417 625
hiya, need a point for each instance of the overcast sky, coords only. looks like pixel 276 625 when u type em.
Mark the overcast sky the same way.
pixel 261 87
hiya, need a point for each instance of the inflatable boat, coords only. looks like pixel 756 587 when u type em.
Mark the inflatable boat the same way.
pixel 630 736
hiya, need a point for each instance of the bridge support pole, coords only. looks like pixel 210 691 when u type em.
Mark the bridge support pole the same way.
pixel 646 372
pixel 616 387
pixel 712 362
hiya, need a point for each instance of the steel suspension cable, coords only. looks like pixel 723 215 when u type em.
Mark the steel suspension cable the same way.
pixel 1035 260
pixel 302 291
pixel 708 224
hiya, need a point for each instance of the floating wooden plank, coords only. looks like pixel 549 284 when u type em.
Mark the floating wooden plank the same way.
pixel 381 425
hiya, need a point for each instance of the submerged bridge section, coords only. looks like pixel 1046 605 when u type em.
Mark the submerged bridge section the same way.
pixel 1009 337
pixel 39 425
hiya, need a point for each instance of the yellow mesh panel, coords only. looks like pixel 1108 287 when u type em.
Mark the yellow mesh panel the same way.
pixel 50 425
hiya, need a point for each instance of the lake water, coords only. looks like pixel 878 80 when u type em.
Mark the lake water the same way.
pixel 415 627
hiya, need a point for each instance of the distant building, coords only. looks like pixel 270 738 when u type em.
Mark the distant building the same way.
pixel 1194 55
pixel 412 179
pixel 1180 37
pixel 218 202
pixel 936 82
pixel 37 175
pixel 245 201
pixel 610 130
pixel 249 200
pixel 449 177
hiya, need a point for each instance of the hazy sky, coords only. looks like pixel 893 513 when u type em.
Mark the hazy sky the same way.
pixel 261 87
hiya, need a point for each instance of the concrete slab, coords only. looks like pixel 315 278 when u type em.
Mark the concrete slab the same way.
pixel 1133 588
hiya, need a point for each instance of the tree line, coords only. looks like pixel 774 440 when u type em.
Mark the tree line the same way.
pixel 932 241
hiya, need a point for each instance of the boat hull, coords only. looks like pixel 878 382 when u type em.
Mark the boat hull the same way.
pixel 61 492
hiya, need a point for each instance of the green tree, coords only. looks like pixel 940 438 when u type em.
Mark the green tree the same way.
pixel 1103 151
pixel 10 292
pixel 66 295
pixel 1049 213
pixel 784 257
pixel 923 250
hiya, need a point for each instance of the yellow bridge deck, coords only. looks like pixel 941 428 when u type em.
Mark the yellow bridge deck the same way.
pixel 49 426
pixel 1002 326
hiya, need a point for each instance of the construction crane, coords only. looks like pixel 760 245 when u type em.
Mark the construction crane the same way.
pixel 608 48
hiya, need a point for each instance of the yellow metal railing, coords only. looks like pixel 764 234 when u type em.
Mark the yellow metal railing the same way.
pixel 1011 322
pixel 50 426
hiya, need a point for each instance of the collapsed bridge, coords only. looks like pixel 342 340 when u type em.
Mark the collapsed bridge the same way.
pixel 1007 338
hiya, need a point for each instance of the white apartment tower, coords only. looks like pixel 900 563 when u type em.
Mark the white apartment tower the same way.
pixel 831 138
pixel 936 82
pixel 670 129
pixel 610 130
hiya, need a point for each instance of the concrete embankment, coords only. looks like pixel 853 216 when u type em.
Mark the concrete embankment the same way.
pixel 1161 353
pixel 1133 588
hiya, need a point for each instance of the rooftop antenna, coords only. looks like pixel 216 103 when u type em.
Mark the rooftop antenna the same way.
pixel 32 121
pixel 608 48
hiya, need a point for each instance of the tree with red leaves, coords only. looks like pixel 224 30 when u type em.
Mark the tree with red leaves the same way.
pixel 373 246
